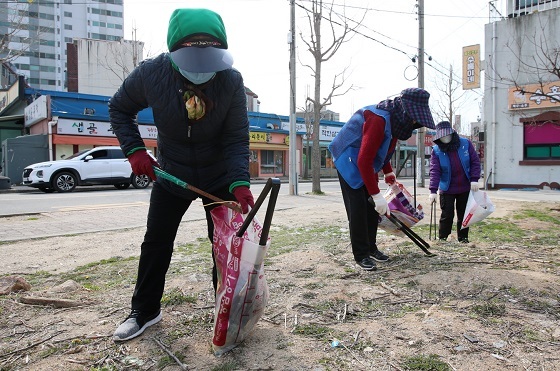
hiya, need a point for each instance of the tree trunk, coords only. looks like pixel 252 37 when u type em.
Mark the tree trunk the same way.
pixel 316 151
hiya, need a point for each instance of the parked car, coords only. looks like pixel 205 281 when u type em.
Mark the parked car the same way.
pixel 100 165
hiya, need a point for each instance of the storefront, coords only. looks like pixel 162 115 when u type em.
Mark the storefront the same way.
pixel 74 122
pixel 269 143
pixel 269 154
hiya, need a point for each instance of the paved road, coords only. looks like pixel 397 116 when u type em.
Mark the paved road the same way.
pixel 95 218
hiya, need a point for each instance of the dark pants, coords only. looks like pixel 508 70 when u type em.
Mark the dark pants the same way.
pixel 164 216
pixel 362 219
pixel 448 203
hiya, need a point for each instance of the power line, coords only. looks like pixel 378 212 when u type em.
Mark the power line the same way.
pixel 359 33
pixel 399 12
pixel 455 78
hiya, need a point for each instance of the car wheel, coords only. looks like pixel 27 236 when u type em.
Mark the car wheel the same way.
pixel 122 185
pixel 140 181
pixel 46 190
pixel 64 182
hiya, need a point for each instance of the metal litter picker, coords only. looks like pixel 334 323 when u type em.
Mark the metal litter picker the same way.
pixel 433 221
pixel 181 183
pixel 423 245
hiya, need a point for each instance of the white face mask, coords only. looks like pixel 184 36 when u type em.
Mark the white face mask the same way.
pixel 446 139
pixel 197 78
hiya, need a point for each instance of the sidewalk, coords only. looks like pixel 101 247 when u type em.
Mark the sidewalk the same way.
pixel 23 188
pixel 104 218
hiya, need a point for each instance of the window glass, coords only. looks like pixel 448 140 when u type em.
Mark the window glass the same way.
pixel 117 153
pixel 101 154
pixel 541 140
pixel 538 152
pixel 272 162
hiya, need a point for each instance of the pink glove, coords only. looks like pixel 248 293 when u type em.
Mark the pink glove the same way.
pixel 244 197
pixel 390 178
pixel 142 163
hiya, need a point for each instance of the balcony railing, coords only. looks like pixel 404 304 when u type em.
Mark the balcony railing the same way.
pixel 516 8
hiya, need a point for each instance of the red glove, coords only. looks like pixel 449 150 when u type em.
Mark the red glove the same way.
pixel 142 163
pixel 244 197
pixel 390 178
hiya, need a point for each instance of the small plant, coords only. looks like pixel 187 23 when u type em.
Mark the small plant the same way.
pixel 313 331
pixel 539 215
pixel 500 230
pixel 176 297
pixel 314 285
pixel 91 286
pixel 532 335
pixel 489 309
pixel 309 295
pixel 513 291
pixel 425 363
pixel 406 308
pixel 164 362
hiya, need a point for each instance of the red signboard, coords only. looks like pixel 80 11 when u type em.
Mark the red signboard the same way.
pixel 428 140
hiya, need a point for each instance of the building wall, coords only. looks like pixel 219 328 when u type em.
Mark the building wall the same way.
pixel 511 45
pixel 102 66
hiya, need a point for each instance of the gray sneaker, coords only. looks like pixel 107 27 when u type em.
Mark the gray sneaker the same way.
pixel 135 324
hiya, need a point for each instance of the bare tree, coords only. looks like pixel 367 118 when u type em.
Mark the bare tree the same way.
pixel 536 59
pixel 315 47
pixel 15 34
pixel 452 99
pixel 121 58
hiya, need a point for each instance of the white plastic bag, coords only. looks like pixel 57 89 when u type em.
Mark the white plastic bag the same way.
pixel 479 207
pixel 242 291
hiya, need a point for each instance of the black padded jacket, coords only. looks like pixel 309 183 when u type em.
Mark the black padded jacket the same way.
pixel 210 153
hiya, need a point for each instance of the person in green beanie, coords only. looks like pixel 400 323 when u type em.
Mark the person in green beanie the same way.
pixel 199 105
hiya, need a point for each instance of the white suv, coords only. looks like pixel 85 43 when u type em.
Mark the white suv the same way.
pixel 100 165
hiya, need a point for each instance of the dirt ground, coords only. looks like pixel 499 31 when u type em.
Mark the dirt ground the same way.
pixel 489 305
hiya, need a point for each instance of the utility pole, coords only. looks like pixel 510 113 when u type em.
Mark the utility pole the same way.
pixel 421 132
pixel 293 180
pixel 134 48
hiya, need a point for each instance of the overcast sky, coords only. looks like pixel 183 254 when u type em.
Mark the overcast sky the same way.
pixel 378 56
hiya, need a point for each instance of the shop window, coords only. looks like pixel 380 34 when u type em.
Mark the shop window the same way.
pixel 324 154
pixel 326 159
pixel 272 162
pixel 541 140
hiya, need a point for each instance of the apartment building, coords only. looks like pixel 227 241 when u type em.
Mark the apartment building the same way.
pixel 40 30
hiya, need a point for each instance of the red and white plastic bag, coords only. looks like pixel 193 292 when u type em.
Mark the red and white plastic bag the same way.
pixel 478 208
pixel 242 291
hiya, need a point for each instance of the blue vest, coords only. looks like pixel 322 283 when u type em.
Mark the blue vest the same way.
pixel 346 146
pixel 445 163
